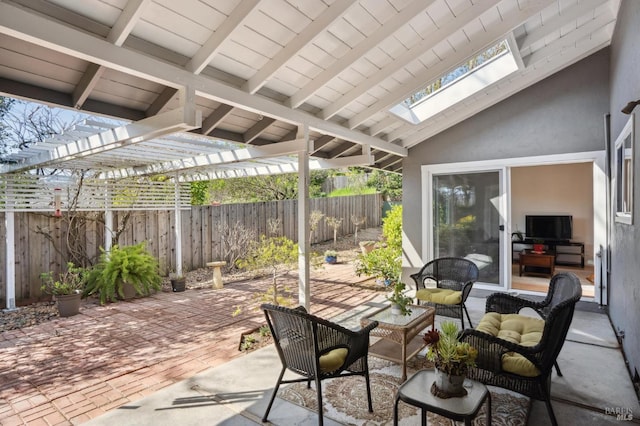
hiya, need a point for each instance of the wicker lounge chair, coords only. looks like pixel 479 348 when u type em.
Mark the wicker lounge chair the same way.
pixel 524 367
pixel 454 278
pixel 316 349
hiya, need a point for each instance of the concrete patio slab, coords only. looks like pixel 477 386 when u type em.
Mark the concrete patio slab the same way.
pixel 238 391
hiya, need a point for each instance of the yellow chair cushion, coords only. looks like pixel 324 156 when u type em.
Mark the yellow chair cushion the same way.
pixel 333 360
pixel 443 296
pixel 518 329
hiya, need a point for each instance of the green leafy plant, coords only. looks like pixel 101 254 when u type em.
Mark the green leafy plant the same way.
pixel 392 228
pixel 449 354
pixel 275 255
pixel 399 298
pixel 71 281
pixel 132 265
pixel 330 253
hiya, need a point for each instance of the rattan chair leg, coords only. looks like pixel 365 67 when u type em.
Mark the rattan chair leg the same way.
pixel 557 368
pixel 468 317
pixel 319 389
pixel 273 396
pixel 366 377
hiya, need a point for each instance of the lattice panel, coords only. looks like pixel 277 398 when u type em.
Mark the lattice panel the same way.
pixel 38 193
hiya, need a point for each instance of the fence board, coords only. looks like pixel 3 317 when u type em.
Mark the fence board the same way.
pixel 201 238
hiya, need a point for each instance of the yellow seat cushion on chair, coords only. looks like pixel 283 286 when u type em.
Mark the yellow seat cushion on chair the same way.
pixel 443 296
pixel 519 329
pixel 333 360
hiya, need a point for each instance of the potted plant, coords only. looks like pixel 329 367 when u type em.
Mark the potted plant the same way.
pixel 452 359
pixel 385 264
pixel 399 300
pixel 66 289
pixel 178 282
pixel 331 257
pixel 124 272
pixel 367 246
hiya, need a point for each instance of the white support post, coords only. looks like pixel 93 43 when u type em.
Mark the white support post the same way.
pixel 108 218
pixel 178 227
pixel 304 245
pixel 10 254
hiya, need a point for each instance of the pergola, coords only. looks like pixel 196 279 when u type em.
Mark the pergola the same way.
pixel 268 86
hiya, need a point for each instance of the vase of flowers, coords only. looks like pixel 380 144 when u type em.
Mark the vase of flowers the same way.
pixel 451 357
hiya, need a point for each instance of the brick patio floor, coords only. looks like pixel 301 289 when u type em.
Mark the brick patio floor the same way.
pixel 70 370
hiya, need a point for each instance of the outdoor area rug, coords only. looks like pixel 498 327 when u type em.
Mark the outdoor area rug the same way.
pixel 345 400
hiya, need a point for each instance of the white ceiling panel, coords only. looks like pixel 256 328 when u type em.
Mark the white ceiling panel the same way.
pixel 341 81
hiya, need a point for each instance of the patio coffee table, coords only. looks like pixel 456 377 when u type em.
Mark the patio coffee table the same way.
pixel 416 392
pixel 399 334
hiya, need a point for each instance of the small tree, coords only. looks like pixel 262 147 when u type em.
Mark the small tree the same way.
pixel 236 240
pixel 335 223
pixel 357 221
pixel 314 220
pixel 276 255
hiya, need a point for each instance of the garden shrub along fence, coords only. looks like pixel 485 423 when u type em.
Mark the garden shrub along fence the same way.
pixel 201 238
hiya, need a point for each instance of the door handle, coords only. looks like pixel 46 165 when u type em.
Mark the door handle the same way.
pixel 501 227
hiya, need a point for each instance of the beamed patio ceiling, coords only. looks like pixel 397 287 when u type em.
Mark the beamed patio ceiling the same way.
pixel 257 73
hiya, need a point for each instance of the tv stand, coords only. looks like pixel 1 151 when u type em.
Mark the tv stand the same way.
pixel 568 253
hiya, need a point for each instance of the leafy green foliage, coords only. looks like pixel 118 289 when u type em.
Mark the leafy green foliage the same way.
pixel 276 255
pixel 344 192
pixel 70 281
pixel 199 193
pixel 130 264
pixel 263 188
pixel 387 183
pixel 383 263
pixel 392 228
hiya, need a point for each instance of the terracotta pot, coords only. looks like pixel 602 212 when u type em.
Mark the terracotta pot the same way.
pixel 68 304
pixel 538 247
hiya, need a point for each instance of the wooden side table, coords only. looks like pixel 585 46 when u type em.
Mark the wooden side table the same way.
pixel 416 391
pixel 399 334
pixel 546 260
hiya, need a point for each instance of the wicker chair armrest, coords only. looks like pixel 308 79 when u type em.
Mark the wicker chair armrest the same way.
pixel 419 278
pixel 507 304
pixel 466 289
pixel 491 348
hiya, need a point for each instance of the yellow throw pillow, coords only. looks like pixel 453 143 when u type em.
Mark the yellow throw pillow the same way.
pixel 439 295
pixel 333 360
pixel 518 329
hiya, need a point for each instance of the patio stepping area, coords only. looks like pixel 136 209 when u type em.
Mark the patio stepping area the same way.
pixel 70 370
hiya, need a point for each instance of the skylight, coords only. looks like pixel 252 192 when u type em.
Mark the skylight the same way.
pixel 474 75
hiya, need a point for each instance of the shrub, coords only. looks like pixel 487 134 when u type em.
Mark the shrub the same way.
pixel 132 265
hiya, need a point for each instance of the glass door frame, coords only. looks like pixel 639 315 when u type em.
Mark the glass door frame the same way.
pixel 428 173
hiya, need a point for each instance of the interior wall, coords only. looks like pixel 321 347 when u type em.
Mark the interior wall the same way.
pixel 555 189
pixel 624 284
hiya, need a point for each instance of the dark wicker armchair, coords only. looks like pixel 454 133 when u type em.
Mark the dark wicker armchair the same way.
pixel 557 308
pixel 316 349
pixel 454 278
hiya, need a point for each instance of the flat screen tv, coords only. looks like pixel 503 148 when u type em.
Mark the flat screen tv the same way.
pixel 549 227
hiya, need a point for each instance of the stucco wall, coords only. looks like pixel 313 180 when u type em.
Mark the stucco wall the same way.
pixel 624 287
pixel 561 114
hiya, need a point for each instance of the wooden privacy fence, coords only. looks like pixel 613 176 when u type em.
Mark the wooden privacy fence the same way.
pixel 202 227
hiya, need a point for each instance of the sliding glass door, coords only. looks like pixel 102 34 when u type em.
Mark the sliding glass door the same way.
pixel 467 220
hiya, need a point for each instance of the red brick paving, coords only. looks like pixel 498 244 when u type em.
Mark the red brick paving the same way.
pixel 70 370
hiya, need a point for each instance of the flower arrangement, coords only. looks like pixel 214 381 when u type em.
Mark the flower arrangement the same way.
pixel 449 354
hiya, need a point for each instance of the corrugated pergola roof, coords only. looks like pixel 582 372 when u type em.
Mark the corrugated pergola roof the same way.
pixel 259 73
